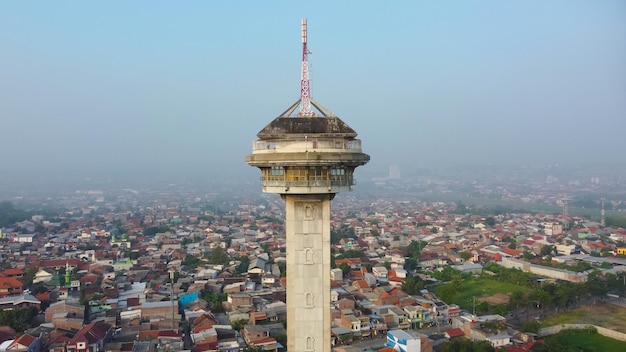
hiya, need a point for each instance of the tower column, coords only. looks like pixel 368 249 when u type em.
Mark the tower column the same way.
pixel 307 226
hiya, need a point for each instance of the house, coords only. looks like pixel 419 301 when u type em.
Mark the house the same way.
pixel 204 322
pixel 25 343
pixel 380 272
pixel 19 301
pixel 499 340
pixel 456 332
pixel 69 309
pixel 267 344
pixel 91 337
pixel 10 286
pixel 24 237
pixel 255 332
pixel 159 310
pixel 403 341
pixel 43 275
pixel 12 272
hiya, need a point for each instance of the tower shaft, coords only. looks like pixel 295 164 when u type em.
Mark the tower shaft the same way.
pixel 307 225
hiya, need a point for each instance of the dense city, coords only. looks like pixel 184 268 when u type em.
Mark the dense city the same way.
pixel 178 268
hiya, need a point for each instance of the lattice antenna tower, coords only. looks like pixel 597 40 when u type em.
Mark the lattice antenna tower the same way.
pixel 305 89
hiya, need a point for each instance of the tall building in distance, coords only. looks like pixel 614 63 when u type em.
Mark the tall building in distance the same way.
pixel 307 157
pixel 394 172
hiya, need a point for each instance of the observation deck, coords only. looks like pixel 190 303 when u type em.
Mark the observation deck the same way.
pixel 307 155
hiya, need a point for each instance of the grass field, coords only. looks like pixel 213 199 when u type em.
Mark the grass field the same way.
pixel 484 289
pixel 575 340
pixel 605 315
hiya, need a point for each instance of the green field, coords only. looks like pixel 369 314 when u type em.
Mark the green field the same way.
pixel 485 289
pixel 605 315
pixel 582 340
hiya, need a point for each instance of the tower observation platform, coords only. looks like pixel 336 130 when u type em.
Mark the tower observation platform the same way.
pixel 307 158
pixel 310 155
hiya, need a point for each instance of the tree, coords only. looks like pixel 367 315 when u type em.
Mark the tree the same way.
pixel 218 255
pixel 595 286
pixel 282 339
pixel 490 221
pixel 191 261
pixel 414 248
pixel 239 324
pixel 412 285
pixel 466 345
pixel 410 265
pixel 482 307
pixel 243 266
pixel 466 256
pixel 345 268
pixel 29 275
pixel 546 250
pixel 18 319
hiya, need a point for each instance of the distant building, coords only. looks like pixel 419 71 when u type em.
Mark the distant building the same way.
pixel 394 172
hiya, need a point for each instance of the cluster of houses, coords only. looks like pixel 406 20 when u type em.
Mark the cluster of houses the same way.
pixel 107 283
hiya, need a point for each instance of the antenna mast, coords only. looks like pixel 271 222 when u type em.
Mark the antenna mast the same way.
pixel 305 90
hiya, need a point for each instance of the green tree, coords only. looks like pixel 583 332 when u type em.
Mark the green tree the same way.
pixel 239 324
pixel 410 265
pixel 345 268
pixel 414 249
pixel 595 285
pixel 490 221
pixel 412 285
pixel 18 319
pixel 218 255
pixel 29 275
pixel 243 266
pixel 466 345
pixel 546 250
pixel 191 261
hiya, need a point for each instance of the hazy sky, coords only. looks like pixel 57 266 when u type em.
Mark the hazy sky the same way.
pixel 118 87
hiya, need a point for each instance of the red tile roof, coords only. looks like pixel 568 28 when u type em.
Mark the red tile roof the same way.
pixel 456 332
pixel 91 333
pixel 12 272
pixel 24 340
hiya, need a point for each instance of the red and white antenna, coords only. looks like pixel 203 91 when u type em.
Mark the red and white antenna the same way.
pixel 305 90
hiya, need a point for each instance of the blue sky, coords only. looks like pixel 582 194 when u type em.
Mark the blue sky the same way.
pixel 119 87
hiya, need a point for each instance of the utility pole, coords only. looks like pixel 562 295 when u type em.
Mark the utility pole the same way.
pixel 474 306
pixel 172 295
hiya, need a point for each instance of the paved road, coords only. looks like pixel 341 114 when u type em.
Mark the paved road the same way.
pixel 370 344
pixel 375 344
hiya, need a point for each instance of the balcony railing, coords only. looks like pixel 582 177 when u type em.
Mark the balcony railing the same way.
pixel 341 182
pixel 308 144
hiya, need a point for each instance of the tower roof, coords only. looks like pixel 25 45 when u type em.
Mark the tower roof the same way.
pixel 322 122
pixel 282 126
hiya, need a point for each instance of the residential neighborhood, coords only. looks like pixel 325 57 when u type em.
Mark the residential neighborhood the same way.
pixel 168 274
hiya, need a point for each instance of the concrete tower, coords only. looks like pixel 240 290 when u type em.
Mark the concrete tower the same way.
pixel 307 159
